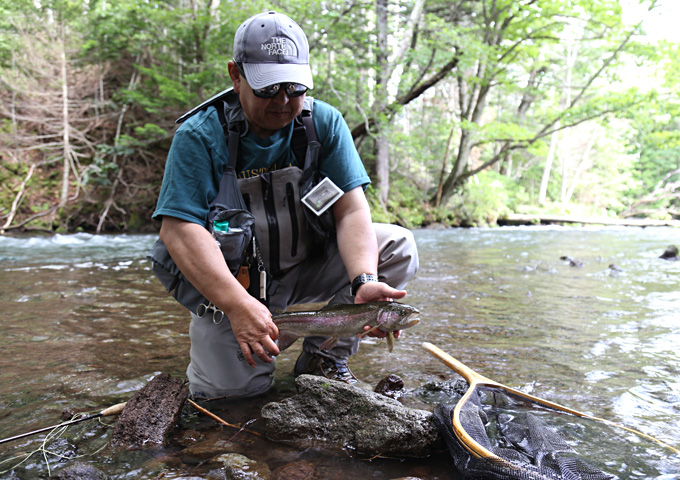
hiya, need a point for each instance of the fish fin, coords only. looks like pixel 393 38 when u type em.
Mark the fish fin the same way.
pixel 332 306
pixel 390 341
pixel 363 334
pixel 286 339
pixel 329 343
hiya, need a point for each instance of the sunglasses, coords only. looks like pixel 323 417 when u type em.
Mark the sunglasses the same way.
pixel 292 89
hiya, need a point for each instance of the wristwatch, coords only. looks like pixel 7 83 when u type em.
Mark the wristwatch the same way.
pixel 360 280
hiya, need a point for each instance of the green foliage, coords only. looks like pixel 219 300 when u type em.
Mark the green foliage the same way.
pixel 654 136
pixel 150 131
pixel 102 166
pixel 157 92
pixel 404 207
pixel 156 59
pixel 483 200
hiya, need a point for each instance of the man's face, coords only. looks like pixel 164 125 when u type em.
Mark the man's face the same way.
pixel 265 115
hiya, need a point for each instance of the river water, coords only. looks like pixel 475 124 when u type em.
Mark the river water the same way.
pixel 85 324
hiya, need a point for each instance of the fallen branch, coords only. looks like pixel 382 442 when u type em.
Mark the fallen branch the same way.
pixel 517 219
pixel 219 420
pixel 33 217
pixel 17 199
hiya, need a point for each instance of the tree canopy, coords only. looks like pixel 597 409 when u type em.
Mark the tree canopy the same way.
pixel 463 110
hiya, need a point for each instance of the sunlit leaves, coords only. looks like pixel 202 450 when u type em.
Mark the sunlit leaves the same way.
pixel 523 70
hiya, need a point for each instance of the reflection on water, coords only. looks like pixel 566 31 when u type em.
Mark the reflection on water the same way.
pixel 85 324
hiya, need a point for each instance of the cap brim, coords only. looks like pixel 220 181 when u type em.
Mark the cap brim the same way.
pixel 260 75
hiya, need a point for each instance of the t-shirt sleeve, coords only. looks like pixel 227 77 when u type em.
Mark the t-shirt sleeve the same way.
pixel 192 171
pixel 339 159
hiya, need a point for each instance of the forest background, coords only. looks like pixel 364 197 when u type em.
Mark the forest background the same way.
pixel 464 111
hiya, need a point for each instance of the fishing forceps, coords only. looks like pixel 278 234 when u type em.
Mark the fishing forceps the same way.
pixel 203 309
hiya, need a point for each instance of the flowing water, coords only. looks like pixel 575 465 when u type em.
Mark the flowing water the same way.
pixel 85 324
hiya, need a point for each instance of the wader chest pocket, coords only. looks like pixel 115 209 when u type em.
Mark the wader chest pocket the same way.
pixel 281 227
pixel 234 242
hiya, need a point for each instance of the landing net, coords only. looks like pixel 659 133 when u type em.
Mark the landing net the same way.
pixel 527 440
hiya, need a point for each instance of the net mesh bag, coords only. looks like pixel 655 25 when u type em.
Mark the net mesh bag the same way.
pixel 520 439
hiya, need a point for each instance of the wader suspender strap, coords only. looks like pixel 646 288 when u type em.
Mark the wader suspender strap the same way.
pixel 309 124
pixel 310 135
pixel 304 133
pixel 232 133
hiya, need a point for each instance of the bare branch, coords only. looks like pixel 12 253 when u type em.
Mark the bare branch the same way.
pixel 361 129
pixel 17 199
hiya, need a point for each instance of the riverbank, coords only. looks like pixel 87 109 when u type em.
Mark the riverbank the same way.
pixel 515 219
pixel 512 219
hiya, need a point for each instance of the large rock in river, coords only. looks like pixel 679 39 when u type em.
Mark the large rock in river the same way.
pixel 671 253
pixel 333 414
pixel 151 414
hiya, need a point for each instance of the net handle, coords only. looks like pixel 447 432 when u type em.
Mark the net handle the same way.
pixel 474 379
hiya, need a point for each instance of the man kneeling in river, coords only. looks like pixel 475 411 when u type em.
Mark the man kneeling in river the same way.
pixel 361 262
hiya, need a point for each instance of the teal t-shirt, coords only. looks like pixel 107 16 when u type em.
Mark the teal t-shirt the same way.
pixel 199 153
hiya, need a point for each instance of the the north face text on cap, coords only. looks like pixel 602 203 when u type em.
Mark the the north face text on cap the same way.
pixel 280 46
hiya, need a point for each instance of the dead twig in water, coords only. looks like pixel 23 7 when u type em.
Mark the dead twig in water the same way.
pixel 379 455
pixel 223 422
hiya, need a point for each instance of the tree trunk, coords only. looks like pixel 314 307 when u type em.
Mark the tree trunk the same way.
pixel 580 169
pixel 528 98
pixel 66 136
pixel 384 75
pixel 459 167
pixel 134 78
pixel 382 166
pixel 382 145
pixel 571 57
pixel 463 157
pixel 445 162
pixel 554 140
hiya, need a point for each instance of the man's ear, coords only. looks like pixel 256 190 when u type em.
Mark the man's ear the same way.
pixel 235 76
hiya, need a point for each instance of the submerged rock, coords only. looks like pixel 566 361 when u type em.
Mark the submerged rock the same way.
pixel 79 471
pixel 240 467
pixel 671 253
pixel 332 414
pixel 301 470
pixel 572 261
pixel 391 386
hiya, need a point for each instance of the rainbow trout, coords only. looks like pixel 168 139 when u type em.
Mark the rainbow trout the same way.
pixel 345 320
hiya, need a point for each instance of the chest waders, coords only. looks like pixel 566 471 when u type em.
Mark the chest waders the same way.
pixel 285 233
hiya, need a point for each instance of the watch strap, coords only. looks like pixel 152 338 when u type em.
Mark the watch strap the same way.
pixel 360 280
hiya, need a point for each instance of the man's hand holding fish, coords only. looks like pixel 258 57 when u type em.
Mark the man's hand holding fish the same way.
pixel 378 292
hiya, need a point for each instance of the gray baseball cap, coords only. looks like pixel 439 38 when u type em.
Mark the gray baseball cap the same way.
pixel 272 49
